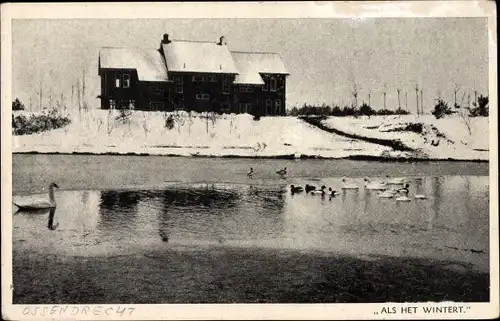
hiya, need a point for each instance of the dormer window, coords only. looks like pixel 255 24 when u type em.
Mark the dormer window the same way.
pixel 126 81
pixel 179 86
pixel 274 84
pixel 266 84
pixel 225 86
pixel 211 78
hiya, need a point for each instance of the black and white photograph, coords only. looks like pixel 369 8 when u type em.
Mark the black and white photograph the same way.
pixel 315 160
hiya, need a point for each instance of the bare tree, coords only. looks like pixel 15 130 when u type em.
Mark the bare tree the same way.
pixel 421 101
pixel 406 100
pixel 40 96
pixel 72 95
pixel 399 101
pixel 83 88
pixel 416 92
pixel 456 89
pixel 466 119
pixel 369 98
pixel 462 101
pixel 79 99
pixel 385 95
pixel 355 94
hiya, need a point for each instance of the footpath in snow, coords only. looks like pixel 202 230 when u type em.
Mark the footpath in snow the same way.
pixel 103 132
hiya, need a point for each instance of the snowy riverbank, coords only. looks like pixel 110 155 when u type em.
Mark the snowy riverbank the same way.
pixel 102 132
pixel 446 138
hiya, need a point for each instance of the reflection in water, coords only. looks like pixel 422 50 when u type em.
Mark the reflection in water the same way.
pixel 220 213
pixel 50 224
pixel 455 216
pixel 118 208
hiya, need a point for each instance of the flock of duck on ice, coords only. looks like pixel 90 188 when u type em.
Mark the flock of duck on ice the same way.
pixel 397 187
pixel 391 188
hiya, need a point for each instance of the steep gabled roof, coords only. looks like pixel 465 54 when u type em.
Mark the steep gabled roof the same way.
pixel 149 63
pixel 198 56
pixel 252 64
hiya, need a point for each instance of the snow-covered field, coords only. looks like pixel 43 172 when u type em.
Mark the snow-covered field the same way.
pixel 445 138
pixel 99 132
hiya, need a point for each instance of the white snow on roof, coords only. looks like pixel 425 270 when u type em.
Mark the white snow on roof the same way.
pixel 197 56
pixel 148 62
pixel 252 63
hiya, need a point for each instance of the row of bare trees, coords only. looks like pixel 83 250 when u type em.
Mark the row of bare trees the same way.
pixel 419 97
pixel 78 97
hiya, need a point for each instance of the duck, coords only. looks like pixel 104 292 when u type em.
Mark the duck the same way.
pixel 321 191
pixel 404 190
pixel 39 203
pixel 282 172
pixel 250 173
pixel 332 193
pixel 395 180
pixel 348 186
pixel 375 185
pixel 295 189
pixel 309 188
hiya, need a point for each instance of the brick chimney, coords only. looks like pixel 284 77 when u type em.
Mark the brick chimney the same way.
pixel 222 41
pixel 165 39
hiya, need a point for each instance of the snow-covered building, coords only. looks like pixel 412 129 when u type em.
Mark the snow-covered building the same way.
pixel 193 75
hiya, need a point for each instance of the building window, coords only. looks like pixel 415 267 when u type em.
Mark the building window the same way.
pixel 126 81
pixel 211 78
pixel 274 84
pixel 117 81
pixel 179 86
pixel 203 96
pixel 246 89
pixel 112 104
pixel 266 84
pixel 225 86
pixel 198 78
pixel 269 105
pixel 277 104
pixel 155 106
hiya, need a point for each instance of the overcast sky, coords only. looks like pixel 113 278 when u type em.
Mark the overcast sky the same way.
pixel 325 57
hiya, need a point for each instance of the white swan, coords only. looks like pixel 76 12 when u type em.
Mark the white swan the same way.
pixel 348 185
pixel 375 185
pixel 403 199
pixel 420 196
pixel 387 194
pixel 320 192
pixel 39 203
pixel 395 180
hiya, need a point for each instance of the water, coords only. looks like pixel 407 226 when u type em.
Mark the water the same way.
pixel 190 211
